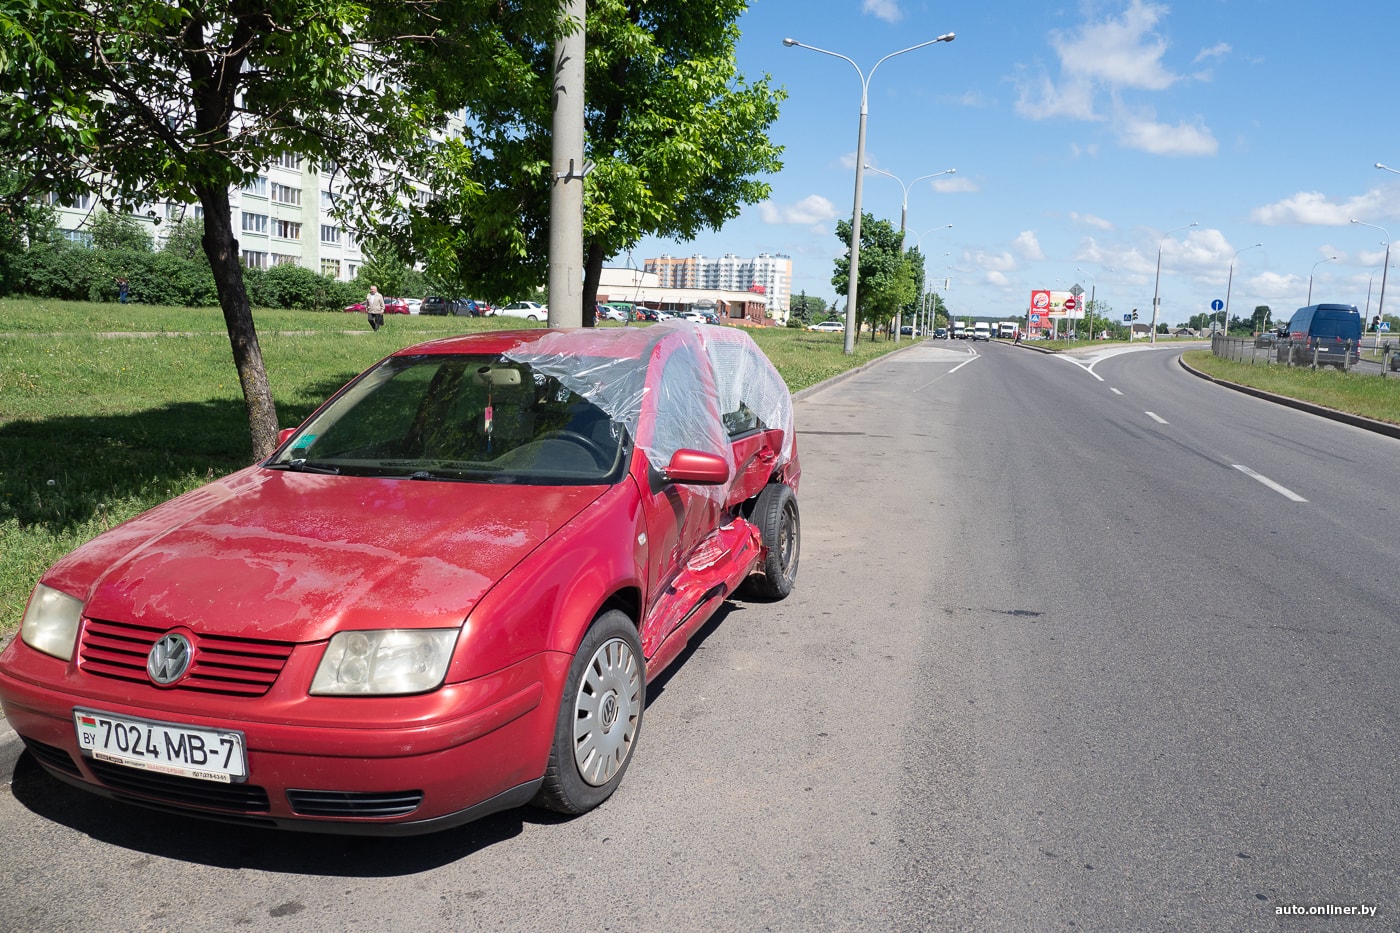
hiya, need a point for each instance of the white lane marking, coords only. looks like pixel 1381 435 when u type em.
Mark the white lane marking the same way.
pixel 1156 417
pixel 1087 367
pixel 1281 490
pixel 1114 391
pixel 950 372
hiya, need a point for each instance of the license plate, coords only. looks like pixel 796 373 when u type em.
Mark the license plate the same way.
pixel 163 747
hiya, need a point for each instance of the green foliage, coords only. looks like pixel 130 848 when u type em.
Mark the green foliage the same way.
pixel 185 238
pixel 118 232
pixel 676 136
pixel 888 280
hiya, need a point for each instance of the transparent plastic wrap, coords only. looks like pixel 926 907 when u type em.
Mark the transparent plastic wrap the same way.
pixel 745 378
pixel 698 373
pixel 609 367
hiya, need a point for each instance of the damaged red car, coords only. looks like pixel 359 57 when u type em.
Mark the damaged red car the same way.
pixel 443 596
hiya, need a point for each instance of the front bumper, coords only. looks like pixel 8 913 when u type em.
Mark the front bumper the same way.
pixel 391 766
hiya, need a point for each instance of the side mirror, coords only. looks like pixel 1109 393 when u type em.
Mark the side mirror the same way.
pixel 697 468
pixel 283 434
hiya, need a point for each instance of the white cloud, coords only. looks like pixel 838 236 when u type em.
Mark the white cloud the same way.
pixel 1109 57
pixel 1122 52
pixel 1161 139
pixel 1090 220
pixel 1314 207
pixel 813 209
pixel 887 10
pixel 998 279
pixel 1074 99
pixel 1028 246
pixel 954 185
pixel 991 262
pixel 1219 50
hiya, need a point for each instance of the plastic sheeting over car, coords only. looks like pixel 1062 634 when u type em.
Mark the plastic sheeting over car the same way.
pixel 713 381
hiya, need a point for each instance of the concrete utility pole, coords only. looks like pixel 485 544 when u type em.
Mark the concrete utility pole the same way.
pixel 567 172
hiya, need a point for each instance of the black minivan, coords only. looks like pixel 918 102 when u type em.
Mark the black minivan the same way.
pixel 1329 335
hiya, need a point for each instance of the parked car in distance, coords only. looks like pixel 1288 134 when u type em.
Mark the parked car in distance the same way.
pixel 436 304
pixel 444 595
pixel 1327 333
pixel 828 327
pixel 610 313
pixel 529 310
pixel 414 304
pixel 395 306
pixel 940 333
pixel 1265 339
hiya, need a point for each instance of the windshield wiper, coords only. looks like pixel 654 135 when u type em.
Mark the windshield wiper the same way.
pixel 302 466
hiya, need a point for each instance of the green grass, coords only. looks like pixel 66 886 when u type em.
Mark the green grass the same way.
pixel 1365 395
pixel 107 410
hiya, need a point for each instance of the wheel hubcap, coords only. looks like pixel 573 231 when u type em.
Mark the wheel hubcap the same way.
pixel 607 710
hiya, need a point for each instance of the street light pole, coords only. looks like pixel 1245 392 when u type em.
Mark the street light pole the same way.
pixel 919 245
pixel 1314 272
pixel 904 216
pixel 854 275
pixel 1385 269
pixel 1157 288
pixel 1229 283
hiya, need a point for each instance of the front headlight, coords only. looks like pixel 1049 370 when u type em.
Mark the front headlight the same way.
pixel 51 622
pixel 389 662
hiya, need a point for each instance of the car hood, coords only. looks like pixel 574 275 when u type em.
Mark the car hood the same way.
pixel 298 556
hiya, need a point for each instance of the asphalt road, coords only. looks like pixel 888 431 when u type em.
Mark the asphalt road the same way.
pixel 1054 661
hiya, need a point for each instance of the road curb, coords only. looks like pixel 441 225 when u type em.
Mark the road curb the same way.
pixel 1345 417
pixel 802 394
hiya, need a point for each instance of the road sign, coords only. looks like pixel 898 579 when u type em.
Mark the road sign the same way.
pixel 1071 304
pixel 1217 305
pixel 1127 319
pixel 1076 291
pixel 1384 325
pixel 1035 318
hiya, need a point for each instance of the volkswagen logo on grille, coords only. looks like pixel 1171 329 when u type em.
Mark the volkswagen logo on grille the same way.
pixel 169 658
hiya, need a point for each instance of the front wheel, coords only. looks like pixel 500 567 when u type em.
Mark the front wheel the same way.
pixel 780 528
pixel 600 717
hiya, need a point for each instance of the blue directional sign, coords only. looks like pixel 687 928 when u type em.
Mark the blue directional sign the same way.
pixel 1217 305
pixel 1127 319
pixel 1035 318
pixel 1384 325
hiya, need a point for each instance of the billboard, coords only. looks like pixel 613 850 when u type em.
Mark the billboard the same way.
pixel 1046 304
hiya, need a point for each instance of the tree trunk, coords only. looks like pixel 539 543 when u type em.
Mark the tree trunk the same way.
pixel 221 246
pixel 592 274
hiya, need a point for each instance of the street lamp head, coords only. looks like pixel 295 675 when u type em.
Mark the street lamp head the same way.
pixel 946 37
pixel 951 171
pixel 791 42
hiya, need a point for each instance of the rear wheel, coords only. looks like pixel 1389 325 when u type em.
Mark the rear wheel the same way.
pixel 600 717
pixel 780 528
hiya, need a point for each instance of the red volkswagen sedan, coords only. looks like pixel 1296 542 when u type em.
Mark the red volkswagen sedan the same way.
pixel 443 596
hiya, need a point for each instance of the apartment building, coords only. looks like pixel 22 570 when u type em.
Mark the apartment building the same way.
pixel 283 216
pixel 765 274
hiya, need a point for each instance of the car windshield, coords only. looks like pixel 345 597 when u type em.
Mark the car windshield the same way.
pixel 465 418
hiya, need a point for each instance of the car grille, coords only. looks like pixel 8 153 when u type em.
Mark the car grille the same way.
pixel 182 791
pixel 237 666
pixel 52 756
pixel 345 804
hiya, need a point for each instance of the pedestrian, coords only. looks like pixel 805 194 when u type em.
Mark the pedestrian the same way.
pixel 123 290
pixel 374 307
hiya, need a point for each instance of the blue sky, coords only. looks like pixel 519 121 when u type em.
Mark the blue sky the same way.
pixel 1084 135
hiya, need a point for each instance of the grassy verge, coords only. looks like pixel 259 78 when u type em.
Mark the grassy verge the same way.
pixel 1368 396
pixel 107 410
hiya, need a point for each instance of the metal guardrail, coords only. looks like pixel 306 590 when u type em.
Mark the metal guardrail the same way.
pixel 1372 359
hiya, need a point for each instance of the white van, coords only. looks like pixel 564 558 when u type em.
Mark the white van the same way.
pixel 981 331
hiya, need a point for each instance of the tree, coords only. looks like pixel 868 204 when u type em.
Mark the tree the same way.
pixel 140 100
pixel 1261 317
pixel 118 231
pixel 674 135
pixel 887 276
